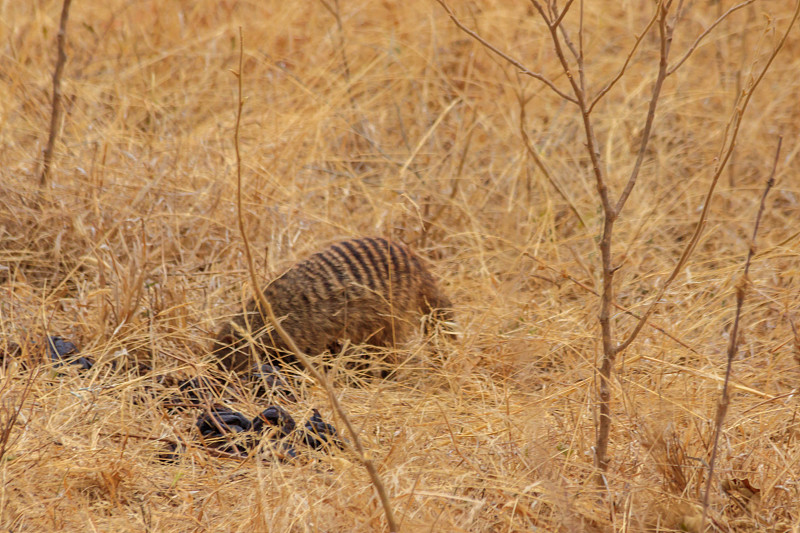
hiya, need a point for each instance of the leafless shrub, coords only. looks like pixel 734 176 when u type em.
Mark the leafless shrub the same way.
pixel 666 16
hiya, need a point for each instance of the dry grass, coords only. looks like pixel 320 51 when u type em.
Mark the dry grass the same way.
pixel 397 125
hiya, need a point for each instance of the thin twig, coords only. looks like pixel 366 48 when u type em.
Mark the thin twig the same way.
pixel 557 21
pixel 580 34
pixel 665 31
pixel 726 151
pixel 578 58
pixel 608 268
pixel 268 315
pixel 733 343
pixel 591 141
pixel 55 114
pixel 505 56
pixel 708 30
pixel 539 163
pixel 615 304
pixel 621 72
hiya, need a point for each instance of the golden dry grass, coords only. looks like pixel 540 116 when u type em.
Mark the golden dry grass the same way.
pixel 396 125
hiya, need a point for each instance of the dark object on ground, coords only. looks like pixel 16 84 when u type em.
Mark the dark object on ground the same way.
pixel 231 432
pixel 277 417
pixel 221 426
pixel 368 290
pixel 267 379
pixel 222 421
pixel 319 434
pixel 61 352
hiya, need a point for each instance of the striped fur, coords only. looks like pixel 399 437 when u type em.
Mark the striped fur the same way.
pixel 367 290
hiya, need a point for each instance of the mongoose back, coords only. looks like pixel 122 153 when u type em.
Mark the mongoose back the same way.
pixel 368 290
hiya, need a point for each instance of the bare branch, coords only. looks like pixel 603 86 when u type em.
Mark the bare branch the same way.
pixel 591 140
pixel 330 10
pixel 733 343
pixel 557 22
pixel 505 56
pixel 541 10
pixel 607 295
pixel 55 114
pixel 665 33
pixel 621 72
pixel 573 49
pixel 580 35
pixel 702 36
pixel 539 163
pixel 725 155
pixel 610 215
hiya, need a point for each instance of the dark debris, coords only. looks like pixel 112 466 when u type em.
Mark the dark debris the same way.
pixel 231 432
pixel 221 427
pixel 319 434
pixel 64 352
pixel 277 417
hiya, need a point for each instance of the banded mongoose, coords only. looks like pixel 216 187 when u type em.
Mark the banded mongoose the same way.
pixel 368 291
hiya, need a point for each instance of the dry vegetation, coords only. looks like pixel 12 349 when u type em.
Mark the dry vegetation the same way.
pixel 391 121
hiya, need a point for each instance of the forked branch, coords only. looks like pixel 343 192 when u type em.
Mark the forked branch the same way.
pixel 592 145
pixel 733 343
pixel 728 144
pixel 557 22
pixel 703 35
pixel 665 30
pixel 560 39
pixel 508 58
pixel 599 96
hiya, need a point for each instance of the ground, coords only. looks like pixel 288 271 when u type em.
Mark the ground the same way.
pixel 369 118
